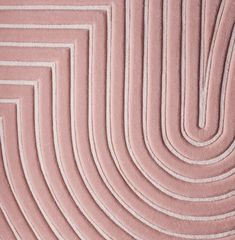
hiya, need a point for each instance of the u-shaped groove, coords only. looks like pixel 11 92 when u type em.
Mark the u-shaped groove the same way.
pixel 230 52
pixel 205 70
pixel 167 168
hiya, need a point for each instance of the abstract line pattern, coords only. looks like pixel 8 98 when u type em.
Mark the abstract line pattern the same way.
pixel 117 119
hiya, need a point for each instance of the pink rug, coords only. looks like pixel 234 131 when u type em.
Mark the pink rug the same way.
pixel 117 119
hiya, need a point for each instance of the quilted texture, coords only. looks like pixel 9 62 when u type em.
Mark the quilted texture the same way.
pixel 117 119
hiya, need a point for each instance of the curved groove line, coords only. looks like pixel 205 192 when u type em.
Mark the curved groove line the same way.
pixel 12 227
pixel 9 178
pixel 52 226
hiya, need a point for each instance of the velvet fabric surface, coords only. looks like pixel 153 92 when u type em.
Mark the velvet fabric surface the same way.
pixel 117 119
